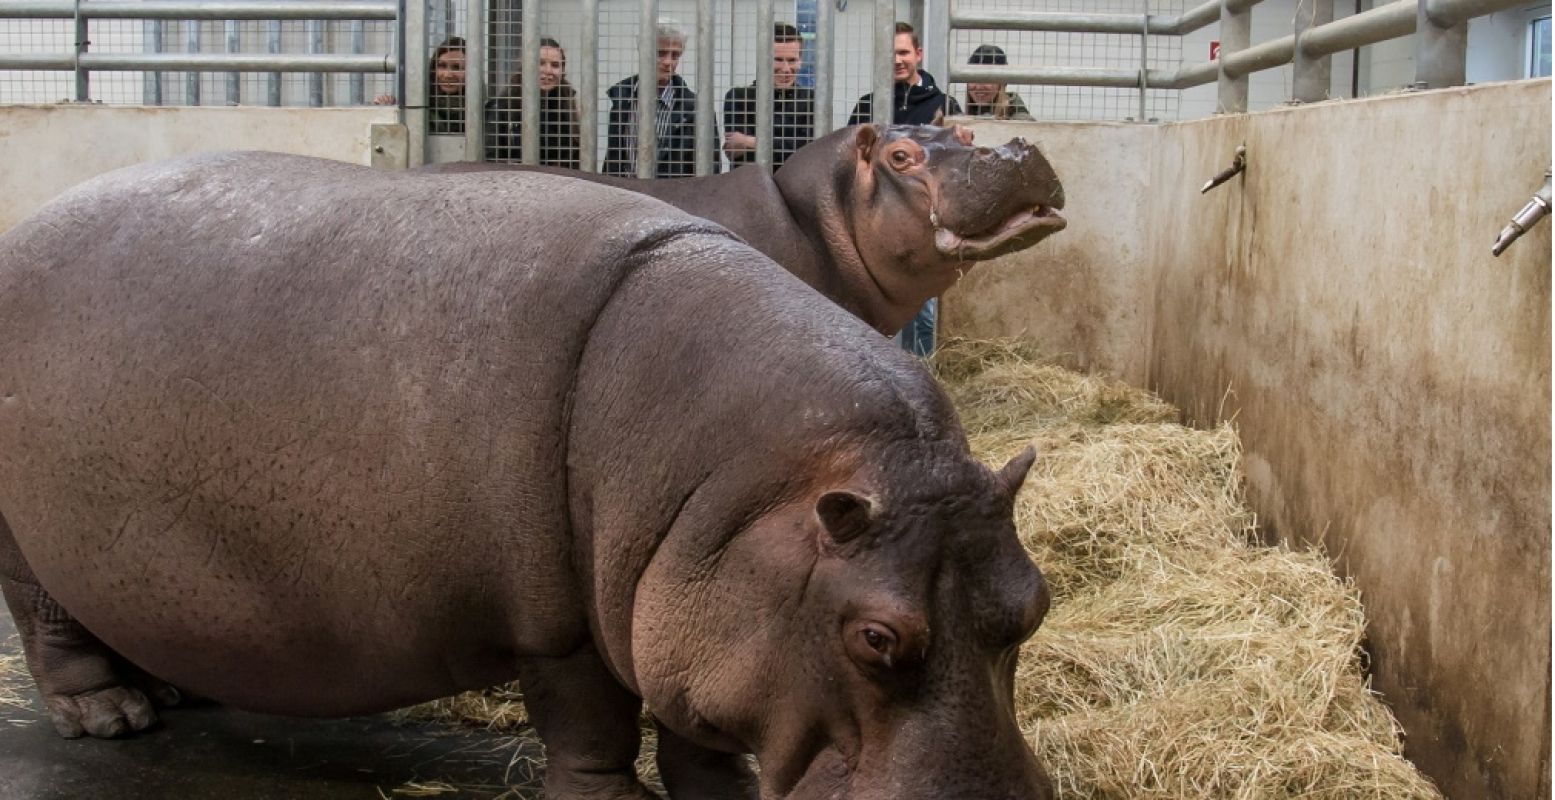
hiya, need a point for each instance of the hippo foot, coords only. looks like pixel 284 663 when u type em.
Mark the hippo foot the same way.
pixel 692 771
pixel 105 713
pixel 568 785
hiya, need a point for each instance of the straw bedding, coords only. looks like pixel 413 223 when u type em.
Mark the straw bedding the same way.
pixel 1181 658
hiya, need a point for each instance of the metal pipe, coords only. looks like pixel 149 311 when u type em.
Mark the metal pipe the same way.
pixel 588 89
pixel 1058 22
pixel 647 90
pixel 764 18
pixel 1199 16
pixel 1449 13
pixel 198 62
pixel 357 81
pixel 191 47
pixel 273 47
pixel 83 78
pixel 1144 60
pixel 475 81
pixel 412 34
pixel 315 29
pixel 824 23
pixel 1261 56
pixel 234 46
pixel 1236 30
pixel 199 9
pixel 706 148
pixel 1535 210
pixel 884 98
pixel 1312 76
pixel 1191 76
pixel 1056 76
pixel 151 42
pixel 1441 51
pixel 1238 163
pixel 530 112
pixel 1368 27
pixel 934 31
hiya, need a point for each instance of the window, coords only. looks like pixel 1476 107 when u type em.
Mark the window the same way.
pixel 1539 48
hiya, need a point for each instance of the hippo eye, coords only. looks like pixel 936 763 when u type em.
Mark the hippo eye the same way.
pixel 875 639
pixel 900 158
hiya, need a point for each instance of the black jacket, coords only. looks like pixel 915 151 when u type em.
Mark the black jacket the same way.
pixel 913 105
pixel 558 127
pixel 793 120
pixel 677 148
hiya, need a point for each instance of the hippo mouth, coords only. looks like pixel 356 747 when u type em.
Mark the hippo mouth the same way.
pixel 1021 230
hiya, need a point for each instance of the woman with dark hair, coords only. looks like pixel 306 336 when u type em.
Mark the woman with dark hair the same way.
pixel 558 114
pixel 990 99
pixel 445 91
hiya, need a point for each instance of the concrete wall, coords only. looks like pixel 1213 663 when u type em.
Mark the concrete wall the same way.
pixel 47 149
pixel 1390 379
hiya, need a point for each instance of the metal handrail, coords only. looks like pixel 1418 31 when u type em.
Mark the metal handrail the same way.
pixel 201 9
pixel 198 62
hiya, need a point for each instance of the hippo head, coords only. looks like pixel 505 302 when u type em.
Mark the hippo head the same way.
pixel 921 204
pixel 860 638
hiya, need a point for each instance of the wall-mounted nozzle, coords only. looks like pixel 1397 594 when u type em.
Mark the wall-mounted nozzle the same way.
pixel 1238 163
pixel 1525 219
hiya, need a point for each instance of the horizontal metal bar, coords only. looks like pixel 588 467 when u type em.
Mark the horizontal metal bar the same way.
pixel 1056 22
pixel 1261 56
pixel 1050 76
pixel 199 62
pixel 1368 27
pixel 200 9
pixel 1190 76
pixel 1450 13
pixel 1194 18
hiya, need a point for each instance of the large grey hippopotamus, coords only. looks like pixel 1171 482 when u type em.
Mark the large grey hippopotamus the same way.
pixel 879 218
pixel 310 439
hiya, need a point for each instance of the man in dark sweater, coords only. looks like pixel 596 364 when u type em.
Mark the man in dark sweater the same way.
pixel 916 101
pixel 793 106
pixel 673 105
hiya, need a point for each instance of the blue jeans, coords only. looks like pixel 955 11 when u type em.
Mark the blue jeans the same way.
pixel 918 337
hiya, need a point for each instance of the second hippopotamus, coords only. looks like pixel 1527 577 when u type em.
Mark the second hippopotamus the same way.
pixel 879 218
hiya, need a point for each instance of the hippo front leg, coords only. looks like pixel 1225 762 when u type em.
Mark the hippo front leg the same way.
pixel 588 722
pixel 694 772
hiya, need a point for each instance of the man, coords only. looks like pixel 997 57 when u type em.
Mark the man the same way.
pixel 793 106
pixel 674 115
pixel 917 100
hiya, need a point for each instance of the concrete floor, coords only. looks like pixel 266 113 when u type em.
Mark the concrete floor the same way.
pixel 209 752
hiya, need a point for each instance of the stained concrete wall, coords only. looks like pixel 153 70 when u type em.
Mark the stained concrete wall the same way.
pixel 1390 379
pixel 48 149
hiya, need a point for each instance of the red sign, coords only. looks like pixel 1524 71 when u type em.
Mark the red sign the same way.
pixel 1214 49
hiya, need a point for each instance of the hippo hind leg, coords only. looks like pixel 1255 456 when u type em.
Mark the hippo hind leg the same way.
pixel 74 671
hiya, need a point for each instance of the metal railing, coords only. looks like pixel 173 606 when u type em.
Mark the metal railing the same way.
pixel 1440 52
pixel 316 62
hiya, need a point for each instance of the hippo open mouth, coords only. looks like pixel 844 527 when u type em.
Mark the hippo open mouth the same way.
pixel 1021 230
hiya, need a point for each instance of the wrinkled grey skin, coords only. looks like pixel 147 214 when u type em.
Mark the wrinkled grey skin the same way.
pixel 879 218
pixel 311 439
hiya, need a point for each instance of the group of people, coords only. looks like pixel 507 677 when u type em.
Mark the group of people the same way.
pixel 917 101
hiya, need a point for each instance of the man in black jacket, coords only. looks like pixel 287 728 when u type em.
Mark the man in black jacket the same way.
pixel 675 116
pixel 916 101
pixel 793 106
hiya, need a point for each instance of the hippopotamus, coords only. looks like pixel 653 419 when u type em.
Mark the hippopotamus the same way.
pixel 311 439
pixel 878 218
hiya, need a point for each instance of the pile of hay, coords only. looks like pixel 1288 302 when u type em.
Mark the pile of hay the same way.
pixel 1181 658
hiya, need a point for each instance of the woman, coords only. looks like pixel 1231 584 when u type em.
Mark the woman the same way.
pixel 558 114
pixel 445 95
pixel 990 99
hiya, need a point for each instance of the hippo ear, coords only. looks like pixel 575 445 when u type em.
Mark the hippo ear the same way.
pixel 845 515
pixel 867 138
pixel 1014 473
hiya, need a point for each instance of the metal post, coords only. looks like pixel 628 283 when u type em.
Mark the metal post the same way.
pixel 234 79
pixel 273 46
pixel 529 81
pixel 764 19
pixel 358 81
pixel 1144 61
pixel 824 23
pixel 83 78
pixel 315 28
pixel 1236 31
pixel 706 147
pixel 475 82
pixel 1312 75
pixel 935 35
pixel 916 18
pixel 647 90
pixel 588 89
pixel 882 103
pixel 1441 52
pixel 151 82
pixel 191 79
pixel 413 78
